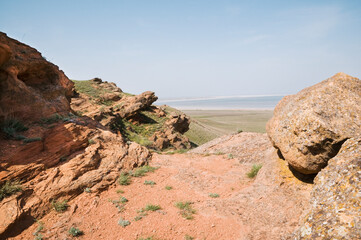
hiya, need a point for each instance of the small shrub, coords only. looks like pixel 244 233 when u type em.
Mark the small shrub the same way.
pixel 9 188
pixel 91 141
pixel 29 140
pixel 239 130
pixel 218 153
pixel 19 137
pixel 168 187
pixel 148 238
pixel 118 204
pixel 75 232
pixel 11 126
pixel 146 182
pixel 187 237
pixel 137 218
pixel 52 119
pixel 151 207
pixel 141 171
pixel 124 179
pixel 214 195
pixel 254 170
pixel 87 190
pixel 123 200
pixel 230 156
pixel 37 234
pixel 120 191
pixel 60 206
pixel 123 222
pixel 142 213
pixel 186 209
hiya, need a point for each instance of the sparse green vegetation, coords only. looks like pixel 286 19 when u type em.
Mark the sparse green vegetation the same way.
pixel 140 132
pixel 146 182
pixel 60 206
pixel 148 238
pixel 186 209
pixel 230 156
pixel 11 127
pixel 187 237
pixel 9 188
pixel 123 222
pixel 52 119
pixel 87 190
pixel 254 170
pixel 123 200
pixel 214 195
pixel 210 124
pixel 29 140
pixel 143 212
pixel 179 151
pixel 118 204
pixel 75 232
pixel 124 179
pixel 151 207
pixel 120 191
pixel 87 88
pixel 37 233
pixel 91 141
pixel 168 187
pixel 141 171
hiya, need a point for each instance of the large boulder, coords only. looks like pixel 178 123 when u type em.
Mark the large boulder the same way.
pixel 31 88
pixel 309 128
pixel 336 199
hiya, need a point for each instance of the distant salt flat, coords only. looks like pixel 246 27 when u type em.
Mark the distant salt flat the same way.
pixel 252 102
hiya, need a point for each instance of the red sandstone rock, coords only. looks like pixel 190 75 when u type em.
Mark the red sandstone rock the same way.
pixel 30 87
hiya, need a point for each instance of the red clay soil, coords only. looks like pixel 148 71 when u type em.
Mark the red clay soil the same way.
pixel 266 207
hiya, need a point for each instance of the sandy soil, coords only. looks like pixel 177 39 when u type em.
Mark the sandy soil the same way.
pixel 266 207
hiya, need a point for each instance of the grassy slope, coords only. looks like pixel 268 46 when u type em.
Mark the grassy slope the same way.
pixel 209 124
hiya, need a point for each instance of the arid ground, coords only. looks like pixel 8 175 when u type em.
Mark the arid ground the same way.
pixel 227 203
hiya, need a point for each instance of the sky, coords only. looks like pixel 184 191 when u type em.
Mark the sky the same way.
pixel 198 48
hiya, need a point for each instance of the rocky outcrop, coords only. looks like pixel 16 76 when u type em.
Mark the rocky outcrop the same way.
pixel 70 158
pixel 310 127
pixel 179 122
pixel 336 201
pixel 58 154
pixel 31 88
pixel 135 117
pixel 171 135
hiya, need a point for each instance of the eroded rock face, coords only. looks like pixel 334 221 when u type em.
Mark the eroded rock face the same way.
pixel 309 127
pixel 171 135
pixel 63 155
pixel 61 166
pixel 336 199
pixel 30 87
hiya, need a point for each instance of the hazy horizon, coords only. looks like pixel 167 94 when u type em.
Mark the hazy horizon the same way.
pixel 185 49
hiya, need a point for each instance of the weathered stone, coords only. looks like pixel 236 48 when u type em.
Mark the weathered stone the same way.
pixel 309 127
pixel 178 122
pixel 336 198
pixel 30 87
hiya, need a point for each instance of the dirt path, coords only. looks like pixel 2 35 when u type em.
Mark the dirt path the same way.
pixel 266 207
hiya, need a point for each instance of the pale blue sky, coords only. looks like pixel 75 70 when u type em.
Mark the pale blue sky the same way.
pixel 193 48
